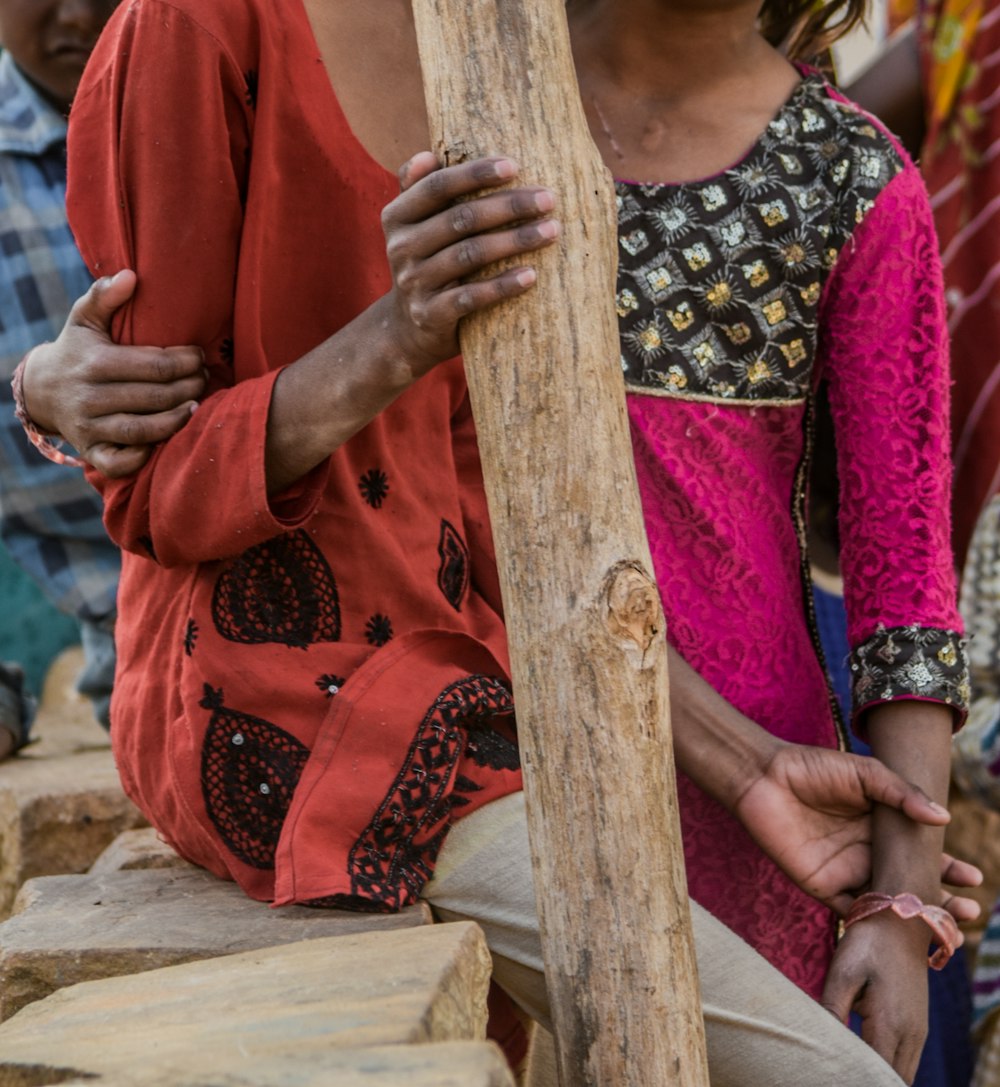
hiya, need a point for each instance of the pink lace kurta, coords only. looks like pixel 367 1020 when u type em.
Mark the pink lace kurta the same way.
pixel 813 258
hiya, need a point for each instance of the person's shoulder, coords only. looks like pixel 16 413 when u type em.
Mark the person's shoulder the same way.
pixel 234 25
pixel 862 130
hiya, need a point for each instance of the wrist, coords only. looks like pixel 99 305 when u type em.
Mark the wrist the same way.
pixel 45 440
pixel 916 916
pixel 26 396
pixel 722 751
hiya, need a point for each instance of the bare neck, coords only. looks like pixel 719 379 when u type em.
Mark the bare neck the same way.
pixel 369 48
pixel 675 90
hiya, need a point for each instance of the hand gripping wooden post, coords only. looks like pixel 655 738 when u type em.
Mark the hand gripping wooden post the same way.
pixel 585 625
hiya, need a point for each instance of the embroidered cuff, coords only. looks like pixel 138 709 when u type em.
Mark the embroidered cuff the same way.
pixel 923 663
pixel 41 440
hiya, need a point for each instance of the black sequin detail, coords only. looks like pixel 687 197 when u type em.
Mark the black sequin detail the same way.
pixel 374 487
pixel 330 685
pixel 453 573
pixel 249 771
pixel 190 637
pixel 279 591
pixel 395 855
pixel 378 629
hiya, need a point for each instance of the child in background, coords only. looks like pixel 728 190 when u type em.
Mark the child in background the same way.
pixel 50 519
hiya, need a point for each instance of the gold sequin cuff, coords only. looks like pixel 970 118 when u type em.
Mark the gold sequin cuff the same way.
pixel 923 663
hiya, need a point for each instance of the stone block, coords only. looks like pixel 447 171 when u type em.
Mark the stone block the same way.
pixel 58 813
pixel 290 1009
pixel 68 929
pixel 61 804
pixel 137 849
pixel 448 1064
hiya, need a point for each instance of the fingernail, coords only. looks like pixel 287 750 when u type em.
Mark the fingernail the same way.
pixel 545 200
pixel 939 809
pixel 548 228
pixel 526 277
pixel 505 168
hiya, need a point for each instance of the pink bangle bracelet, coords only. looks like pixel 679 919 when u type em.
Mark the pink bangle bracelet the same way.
pixel 908 906
pixel 38 438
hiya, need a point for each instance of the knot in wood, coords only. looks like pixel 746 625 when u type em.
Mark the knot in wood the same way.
pixel 633 605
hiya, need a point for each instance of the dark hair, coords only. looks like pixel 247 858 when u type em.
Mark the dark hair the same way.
pixel 805 28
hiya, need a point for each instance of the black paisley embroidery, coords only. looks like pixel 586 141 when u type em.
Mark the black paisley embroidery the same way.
pixel 279 591
pixel 394 856
pixel 453 573
pixel 249 771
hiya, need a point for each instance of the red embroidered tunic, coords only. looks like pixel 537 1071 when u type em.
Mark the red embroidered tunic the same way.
pixel 310 687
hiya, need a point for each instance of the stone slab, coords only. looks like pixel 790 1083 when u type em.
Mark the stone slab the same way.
pixel 137 849
pixel 60 801
pixel 449 1064
pixel 58 813
pixel 68 929
pixel 282 1006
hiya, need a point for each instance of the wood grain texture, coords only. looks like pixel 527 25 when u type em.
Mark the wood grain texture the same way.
pixel 585 624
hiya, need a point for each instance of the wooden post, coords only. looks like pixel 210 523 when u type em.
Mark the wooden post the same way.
pixel 585 624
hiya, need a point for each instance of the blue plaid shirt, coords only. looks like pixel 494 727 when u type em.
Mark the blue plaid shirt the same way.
pixel 50 518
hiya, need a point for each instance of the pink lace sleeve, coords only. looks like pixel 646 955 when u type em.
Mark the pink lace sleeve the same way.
pixel 884 353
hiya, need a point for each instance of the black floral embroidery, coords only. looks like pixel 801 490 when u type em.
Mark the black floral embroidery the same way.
pixel 279 591
pixel 487 747
pixel 190 637
pixel 374 487
pixel 378 629
pixel 395 855
pixel 329 684
pixel 453 573
pixel 251 78
pixel 463 786
pixel 720 280
pixel 911 662
pixel 249 771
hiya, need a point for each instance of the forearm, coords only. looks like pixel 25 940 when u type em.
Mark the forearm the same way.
pixel 328 395
pixel 914 739
pixel 719 748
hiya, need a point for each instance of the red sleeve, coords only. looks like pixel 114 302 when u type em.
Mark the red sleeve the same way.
pixel 159 153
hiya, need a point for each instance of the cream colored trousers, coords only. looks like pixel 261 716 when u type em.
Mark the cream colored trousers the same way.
pixel 762 1030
